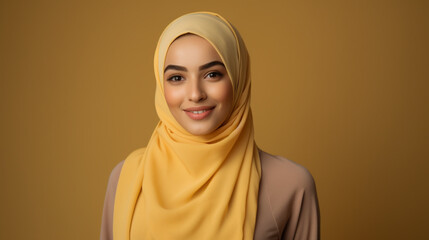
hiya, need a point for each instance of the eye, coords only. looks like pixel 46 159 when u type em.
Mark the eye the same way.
pixel 175 78
pixel 214 75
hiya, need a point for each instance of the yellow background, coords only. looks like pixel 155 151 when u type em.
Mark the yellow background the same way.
pixel 340 87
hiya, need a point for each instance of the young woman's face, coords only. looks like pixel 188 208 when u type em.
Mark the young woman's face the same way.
pixel 197 87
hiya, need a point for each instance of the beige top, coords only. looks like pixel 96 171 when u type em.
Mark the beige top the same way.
pixel 287 205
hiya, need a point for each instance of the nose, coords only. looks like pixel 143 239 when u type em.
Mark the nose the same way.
pixel 196 91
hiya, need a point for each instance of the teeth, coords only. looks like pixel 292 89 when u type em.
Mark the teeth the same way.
pixel 198 112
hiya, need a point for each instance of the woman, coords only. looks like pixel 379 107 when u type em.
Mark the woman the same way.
pixel 201 175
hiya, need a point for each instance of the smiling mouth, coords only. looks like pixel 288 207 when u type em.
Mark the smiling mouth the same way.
pixel 198 113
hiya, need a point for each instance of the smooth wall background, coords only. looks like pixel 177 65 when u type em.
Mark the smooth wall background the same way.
pixel 340 87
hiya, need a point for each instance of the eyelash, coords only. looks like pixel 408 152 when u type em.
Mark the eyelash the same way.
pixel 216 73
pixel 174 78
pixel 178 78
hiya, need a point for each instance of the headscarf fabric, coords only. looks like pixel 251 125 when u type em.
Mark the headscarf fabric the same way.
pixel 183 186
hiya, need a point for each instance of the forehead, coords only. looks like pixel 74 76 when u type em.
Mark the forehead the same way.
pixel 190 48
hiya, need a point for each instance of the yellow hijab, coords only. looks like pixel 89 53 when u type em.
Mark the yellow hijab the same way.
pixel 187 186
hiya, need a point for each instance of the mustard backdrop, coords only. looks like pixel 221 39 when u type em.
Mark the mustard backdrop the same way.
pixel 340 87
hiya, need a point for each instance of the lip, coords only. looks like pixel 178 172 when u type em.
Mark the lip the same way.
pixel 204 112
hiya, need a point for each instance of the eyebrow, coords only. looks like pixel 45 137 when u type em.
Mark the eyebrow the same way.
pixel 175 67
pixel 205 66
pixel 211 64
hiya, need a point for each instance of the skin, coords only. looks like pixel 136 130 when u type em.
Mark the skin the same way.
pixel 195 79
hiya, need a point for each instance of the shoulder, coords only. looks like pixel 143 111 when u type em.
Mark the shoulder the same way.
pixel 288 202
pixel 109 202
pixel 279 171
pixel 116 171
pixel 112 184
pixel 114 175
pixel 130 162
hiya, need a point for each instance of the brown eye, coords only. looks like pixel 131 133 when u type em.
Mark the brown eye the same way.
pixel 214 75
pixel 175 78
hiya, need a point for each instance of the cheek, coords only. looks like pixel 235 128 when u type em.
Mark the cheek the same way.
pixel 223 93
pixel 173 96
